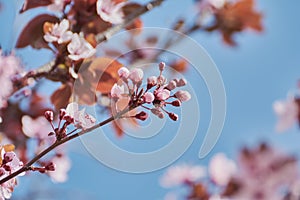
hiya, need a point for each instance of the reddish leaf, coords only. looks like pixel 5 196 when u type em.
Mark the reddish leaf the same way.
pixel 179 65
pixel 136 25
pixel 33 33
pixel 60 98
pixel 236 17
pixel 29 4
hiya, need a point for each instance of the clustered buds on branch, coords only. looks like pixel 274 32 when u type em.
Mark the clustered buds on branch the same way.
pixel 157 92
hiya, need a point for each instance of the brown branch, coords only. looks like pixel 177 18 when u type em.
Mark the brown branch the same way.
pixel 28 165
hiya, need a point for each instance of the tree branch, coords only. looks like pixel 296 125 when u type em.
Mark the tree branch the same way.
pixel 43 71
pixel 27 166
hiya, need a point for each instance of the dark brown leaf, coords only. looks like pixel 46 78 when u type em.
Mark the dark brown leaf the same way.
pixel 29 4
pixel 33 33
pixel 60 98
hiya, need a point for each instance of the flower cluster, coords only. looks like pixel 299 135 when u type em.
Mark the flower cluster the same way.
pixel 71 115
pixel 9 67
pixel 287 112
pixel 260 173
pixel 9 163
pixel 158 92
pixel 59 33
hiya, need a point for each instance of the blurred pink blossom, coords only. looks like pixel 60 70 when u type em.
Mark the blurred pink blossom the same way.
pixel 221 169
pixel 181 174
pixel 62 166
pixel 9 67
pixel 110 12
pixel 287 112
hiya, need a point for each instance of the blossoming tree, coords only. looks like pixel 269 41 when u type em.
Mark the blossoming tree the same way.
pixel 71 30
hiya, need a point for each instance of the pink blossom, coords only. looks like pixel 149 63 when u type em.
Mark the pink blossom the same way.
pixel 79 48
pixel 162 94
pixel 81 119
pixel 117 91
pixel 136 75
pixel 110 12
pixel 36 128
pixel 181 174
pixel 62 166
pixel 9 67
pixel 221 169
pixel 264 171
pixel 10 163
pixel 59 33
pixel 183 95
pixel 123 72
pixel 148 97
pixel 287 113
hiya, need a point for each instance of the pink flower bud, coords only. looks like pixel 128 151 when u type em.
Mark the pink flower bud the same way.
pixel 172 85
pixel 62 113
pixel 176 103
pixel 141 116
pixel 69 119
pixel 50 166
pixel 173 116
pixel 123 72
pixel 181 82
pixel 117 91
pixel 49 115
pixel 151 81
pixel 162 66
pixel 163 94
pixel 8 157
pixel 183 95
pixel 148 97
pixel 161 80
pixel 157 112
pixel 136 75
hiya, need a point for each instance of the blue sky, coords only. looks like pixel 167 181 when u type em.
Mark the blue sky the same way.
pixel 263 68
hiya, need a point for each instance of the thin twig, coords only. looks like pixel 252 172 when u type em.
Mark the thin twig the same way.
pixel 28 165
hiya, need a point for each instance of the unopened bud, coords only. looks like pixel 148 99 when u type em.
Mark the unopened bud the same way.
pixel 141 116
pixel 176 103
pixel 173 116
pixel 69 119
pixel 49 115
pixel 172 85
pixel 62 113
pixel 151 81
pixel 162 66
pixel 181 82
pixel 157 112
pixel 50 166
